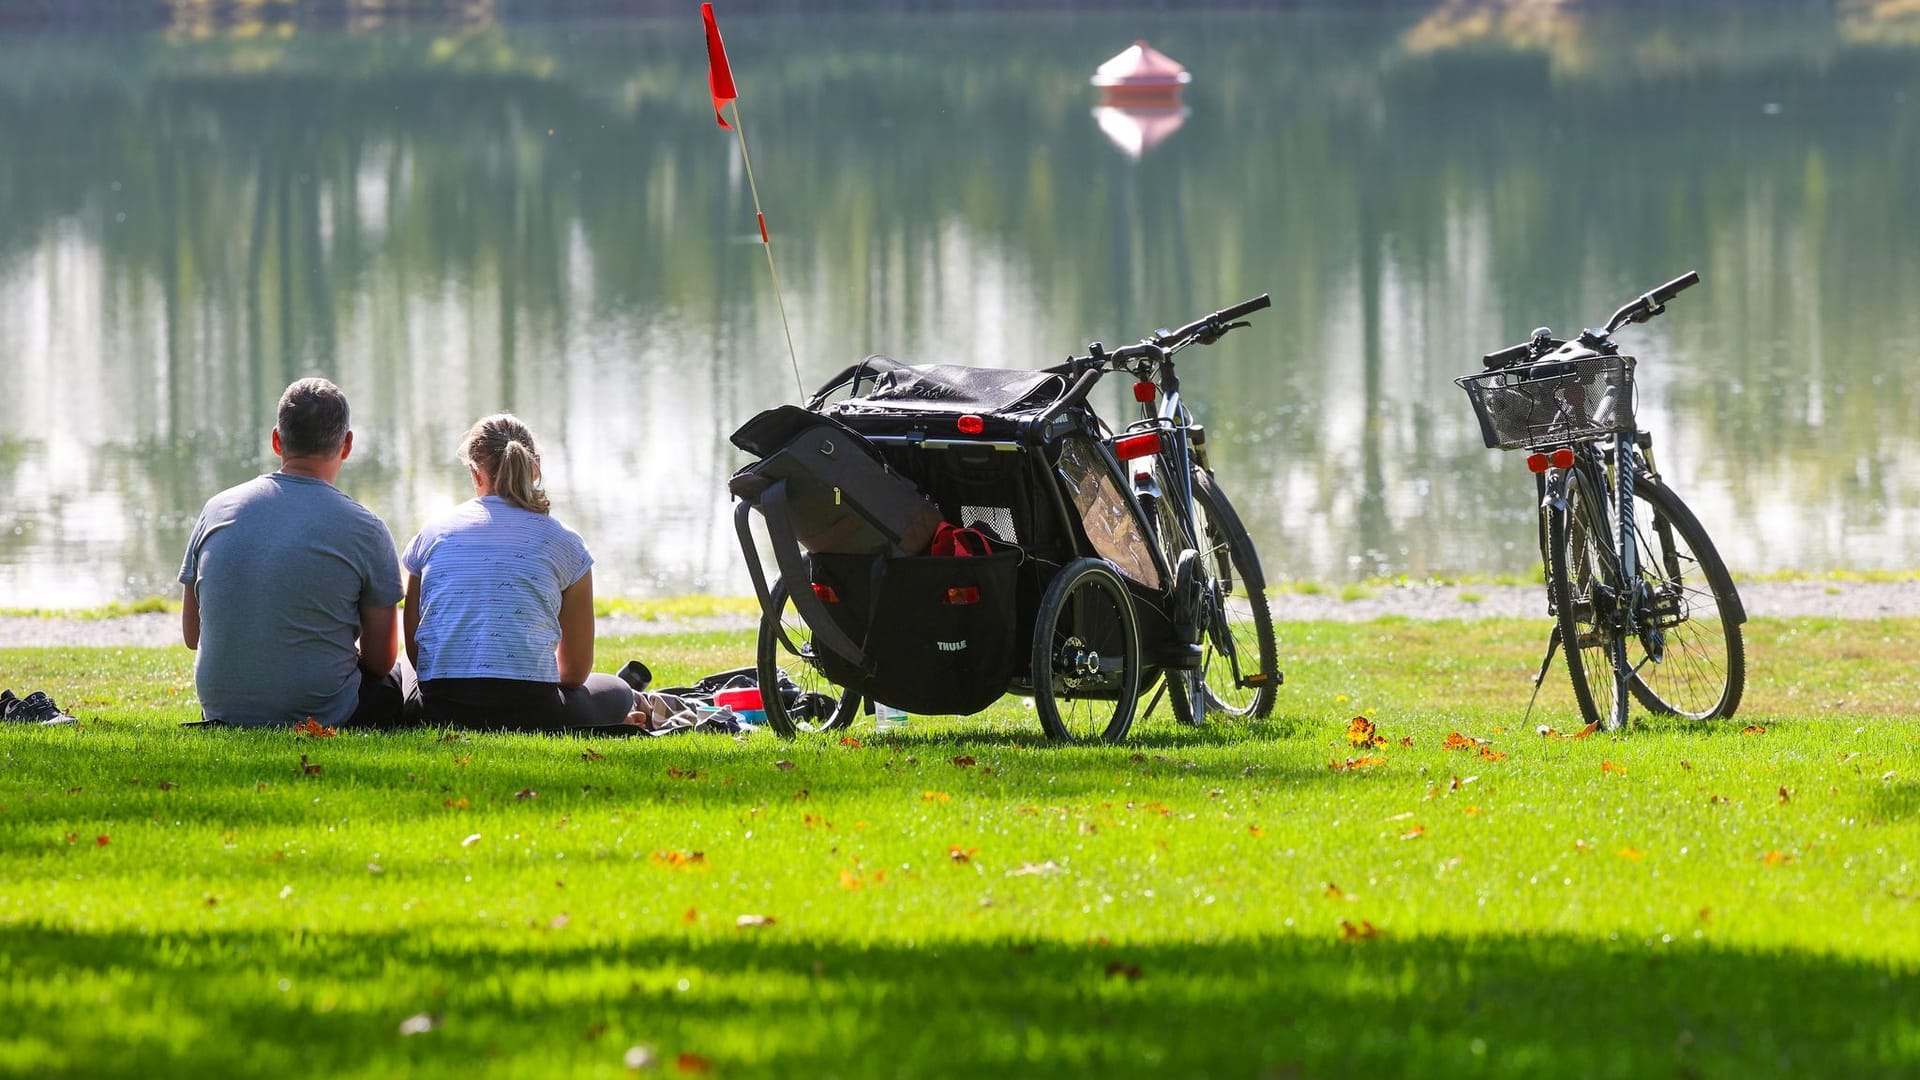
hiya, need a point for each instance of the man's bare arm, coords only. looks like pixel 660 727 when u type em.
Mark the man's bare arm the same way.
pixel 379 638
pixel 190 617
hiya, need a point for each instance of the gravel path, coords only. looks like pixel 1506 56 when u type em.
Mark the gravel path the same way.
pixel 1846 600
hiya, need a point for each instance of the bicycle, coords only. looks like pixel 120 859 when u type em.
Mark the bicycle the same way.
pixel 1225 611
pixel 1642 601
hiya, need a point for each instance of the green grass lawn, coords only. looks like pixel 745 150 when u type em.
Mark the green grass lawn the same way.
pixel 1686 901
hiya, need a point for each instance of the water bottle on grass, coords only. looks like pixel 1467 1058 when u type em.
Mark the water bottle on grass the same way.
pixel 887 718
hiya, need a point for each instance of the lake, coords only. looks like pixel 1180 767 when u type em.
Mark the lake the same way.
pixel 451 221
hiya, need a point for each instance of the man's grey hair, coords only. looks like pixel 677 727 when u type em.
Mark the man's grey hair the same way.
pixel 313 418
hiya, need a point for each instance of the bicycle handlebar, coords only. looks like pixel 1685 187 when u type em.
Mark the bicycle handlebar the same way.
pixel 1215 324
pixel 1653 303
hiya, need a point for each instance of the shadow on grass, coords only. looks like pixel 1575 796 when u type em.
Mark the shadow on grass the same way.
pixel 539 1002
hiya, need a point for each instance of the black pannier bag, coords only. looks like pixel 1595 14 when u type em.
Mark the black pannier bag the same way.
pixel 929 634
pixel 937 630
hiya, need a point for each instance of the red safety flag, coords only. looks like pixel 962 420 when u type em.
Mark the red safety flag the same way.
pixel 719 75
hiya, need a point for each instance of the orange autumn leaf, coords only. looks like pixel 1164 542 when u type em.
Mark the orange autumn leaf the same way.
pixel 677 773
pixel 1360 932
pixel 1635 854
pixel 1356 763
pixel 102 841
pixel 1785 795
pixel 1457 741
pixel 1585 731
pixel 313 729
pixel 1473 811
pixel 309 768
pixel 815 821
pixel 1776 858
pixel 850 742
pixel 850 880
pixel 690 916
pixel 1334 892
pixel 1414 833
pixel 961 854
pixel 746 921
pixel 1608 766
pixel 1491 754
pixel 1256 831
pixel 1753 729
pixel 964 760
pixel 692 1064
pixel 679 860
pixel 935 797
pixel 1361 732
pixel 591 755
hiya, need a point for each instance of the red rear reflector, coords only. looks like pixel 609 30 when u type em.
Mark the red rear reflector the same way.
pixel 971 425
pixel 1143 391
pixel 825 593
pixel 963 595
pixel 1134 446
pixel 1562 458
pixel 1536 462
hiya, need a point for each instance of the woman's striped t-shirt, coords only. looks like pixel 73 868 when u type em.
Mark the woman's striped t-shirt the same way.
pixel 491 575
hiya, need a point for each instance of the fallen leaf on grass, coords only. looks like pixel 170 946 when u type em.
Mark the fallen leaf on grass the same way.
pixel 313 729
pixel 678 773
pixel 692 1064
pixel 961 854
pixel 678 860
pixel 1457 741
pixel 1776 858
pixel 850 742
pixel 1608 766
pixel 784 765
pixel 526 793
pixel 965 760
pixel 1414 833
pixel 1361 931
pixel 1256 831
pixel 1585 731
pixel 745 921
pixel 594 1030
pixel 1633 854
pixel 1753 729
pixel 690 916
pixel 166 785
pixel 1123 970
pixel 1044 869
pixel 935 797
pixel 592 755
pixel 1361 732
pixel 1356 763
pixel 309 768
pixel 1406 740
pixel 815 821
pixel 1473 811
pixel 1334 892
pixel 1785 795
pixel 1491 754
pixel 455 804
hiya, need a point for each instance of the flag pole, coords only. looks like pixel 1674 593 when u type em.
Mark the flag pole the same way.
pixel 766 242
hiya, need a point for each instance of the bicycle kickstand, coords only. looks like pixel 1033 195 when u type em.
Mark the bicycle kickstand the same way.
pixel 1553 643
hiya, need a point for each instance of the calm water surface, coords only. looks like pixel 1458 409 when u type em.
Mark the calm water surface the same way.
pixel 546 220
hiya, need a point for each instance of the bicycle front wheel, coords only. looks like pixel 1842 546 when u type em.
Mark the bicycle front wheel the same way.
pixel 1239 666
pixel 1584 580
pixel 1688 656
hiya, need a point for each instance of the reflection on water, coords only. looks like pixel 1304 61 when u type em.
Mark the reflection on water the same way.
pixel 546 220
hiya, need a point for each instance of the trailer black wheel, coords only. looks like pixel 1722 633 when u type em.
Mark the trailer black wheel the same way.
pixel 1086 655
pixel 786 647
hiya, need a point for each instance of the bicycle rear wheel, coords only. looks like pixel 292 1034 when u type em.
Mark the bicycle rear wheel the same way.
pixel 1688 657
pixel 786 647
pixel 1239 659
pixel 1584 580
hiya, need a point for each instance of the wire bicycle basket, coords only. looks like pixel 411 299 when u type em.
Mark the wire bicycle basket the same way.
pixel 1538 406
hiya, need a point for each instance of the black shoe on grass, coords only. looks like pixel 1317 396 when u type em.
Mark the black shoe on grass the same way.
pixel 35 708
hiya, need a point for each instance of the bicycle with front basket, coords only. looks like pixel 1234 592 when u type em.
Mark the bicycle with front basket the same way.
pixel 1642 602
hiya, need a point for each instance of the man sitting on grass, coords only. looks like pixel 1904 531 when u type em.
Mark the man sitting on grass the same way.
pixel 292 587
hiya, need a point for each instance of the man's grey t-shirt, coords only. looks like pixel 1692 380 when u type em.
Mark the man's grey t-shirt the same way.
pixel 282 566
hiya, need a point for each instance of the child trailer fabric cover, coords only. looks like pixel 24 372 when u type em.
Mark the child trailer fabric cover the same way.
pixel 929 634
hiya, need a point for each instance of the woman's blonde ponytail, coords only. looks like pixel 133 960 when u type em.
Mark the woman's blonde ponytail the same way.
pixel 503 449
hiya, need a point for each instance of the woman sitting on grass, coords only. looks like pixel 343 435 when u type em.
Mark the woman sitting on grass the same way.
pixel 499 619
